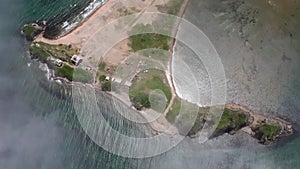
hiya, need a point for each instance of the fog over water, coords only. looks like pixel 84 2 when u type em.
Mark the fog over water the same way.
pixel 28 140
pixel 38 130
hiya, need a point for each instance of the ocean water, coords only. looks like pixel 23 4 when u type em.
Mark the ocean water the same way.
pixel 260 62
pixel 62 16
pixel 39 129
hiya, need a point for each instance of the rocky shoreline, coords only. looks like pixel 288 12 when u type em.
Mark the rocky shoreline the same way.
pixel 256 126
pixel 265 129
pixel 259 126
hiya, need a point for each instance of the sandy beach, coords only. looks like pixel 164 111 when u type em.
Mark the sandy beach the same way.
pixel 111 10
pixel 85 29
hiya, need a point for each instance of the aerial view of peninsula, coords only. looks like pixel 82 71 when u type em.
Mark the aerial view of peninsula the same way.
pixel 150 84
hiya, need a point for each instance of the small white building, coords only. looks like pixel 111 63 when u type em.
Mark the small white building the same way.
pixel 128 83
pixel 58 62
pixel 76 60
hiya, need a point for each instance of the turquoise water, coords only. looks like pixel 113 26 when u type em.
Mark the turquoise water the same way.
pixel 43 9
pixel 61 16
pixel 39 130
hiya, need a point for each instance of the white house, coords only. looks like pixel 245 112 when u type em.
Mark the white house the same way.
pixel 76 60
pixel 58 62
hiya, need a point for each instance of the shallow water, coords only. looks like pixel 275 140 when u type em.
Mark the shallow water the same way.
pixel 261 63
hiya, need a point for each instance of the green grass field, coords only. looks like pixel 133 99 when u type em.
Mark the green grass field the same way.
pixel 145 83
pixel 149 40
pixel 146 39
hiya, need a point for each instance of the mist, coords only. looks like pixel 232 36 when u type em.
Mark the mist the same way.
pixel 28 140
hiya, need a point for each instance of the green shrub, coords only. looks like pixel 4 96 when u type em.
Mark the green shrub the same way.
pixel 39 53
pixel 65 71
pixel 29 32
pixel 102 78
pixel 102 66
pixel 269 131
pixel 78 75
pixel 142 99
pixel 232 120
pixel 81 75
pixel 106 86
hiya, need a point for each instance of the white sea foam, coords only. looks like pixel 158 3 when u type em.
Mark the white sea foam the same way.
pixel 87 12
pixel 45 68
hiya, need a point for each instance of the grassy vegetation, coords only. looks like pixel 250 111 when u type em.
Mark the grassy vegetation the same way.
pixel 269 131
pixel 102 66
pixel 39 53
pixel 231 120
pixel 101 73
pixel 172 7
pixel 140 100
pixel 106 86
pixel 147 39
pixel 102 78
pixel 62 52
pixel 174 111
pixel 79 75
pixel 42 51
pixel 82 75
pixel 65 71
pixel 146 82
pixel 30 32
